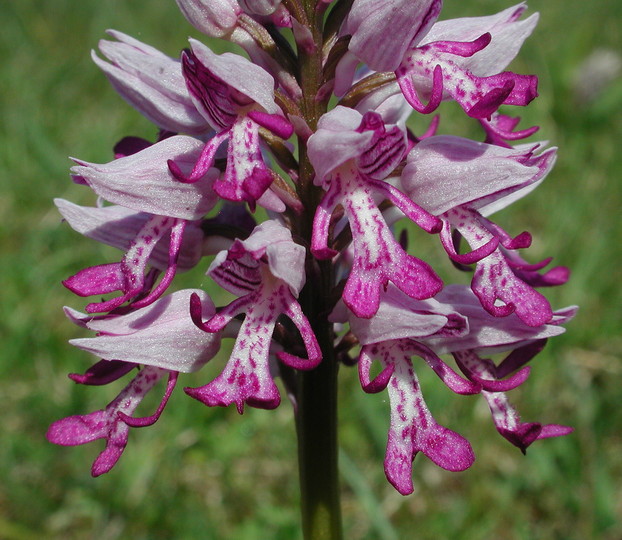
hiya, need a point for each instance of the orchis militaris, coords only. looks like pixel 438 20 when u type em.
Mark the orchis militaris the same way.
pixel 324 274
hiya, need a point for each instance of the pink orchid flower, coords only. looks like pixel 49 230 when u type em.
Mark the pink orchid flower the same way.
pixel 267 271
pixel 352 154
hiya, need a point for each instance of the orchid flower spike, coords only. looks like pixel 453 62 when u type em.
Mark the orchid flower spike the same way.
pixel 320 274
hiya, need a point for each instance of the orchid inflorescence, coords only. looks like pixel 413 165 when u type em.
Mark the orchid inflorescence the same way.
pixel 315 128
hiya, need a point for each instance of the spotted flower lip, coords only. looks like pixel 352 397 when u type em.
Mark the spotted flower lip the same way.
pixel 151 82
pixel 267 272
pixel 412 426
pixel 505 417
pixel 112 423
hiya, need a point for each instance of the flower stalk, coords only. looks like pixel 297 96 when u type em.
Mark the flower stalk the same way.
pixel 316 427
pixel 316 412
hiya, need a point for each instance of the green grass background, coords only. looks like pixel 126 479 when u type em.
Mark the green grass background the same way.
pixel 210 473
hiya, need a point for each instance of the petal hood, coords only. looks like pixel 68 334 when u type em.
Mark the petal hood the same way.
pixel 160 335
pixel 445 171
pixel 151 82
pixel 143 181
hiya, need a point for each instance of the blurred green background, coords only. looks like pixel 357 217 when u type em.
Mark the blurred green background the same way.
pixel 201 473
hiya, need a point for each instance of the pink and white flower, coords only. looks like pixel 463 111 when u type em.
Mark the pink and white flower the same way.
pixel 143 183
pixel 236 97
pixel 453 322
pixel 352 154
pixel 163 339
pixel 462 182
pixel 267 271
pixel 459 59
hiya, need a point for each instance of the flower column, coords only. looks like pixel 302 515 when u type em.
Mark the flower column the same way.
pixel 316 417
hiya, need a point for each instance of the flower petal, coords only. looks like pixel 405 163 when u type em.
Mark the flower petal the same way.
pixel 240 73
pixel 370 22
pixel 161 335
pixel 151 82
pixel 437 167
pixel 144 183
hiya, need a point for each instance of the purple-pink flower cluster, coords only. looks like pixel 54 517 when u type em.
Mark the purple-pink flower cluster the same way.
pixel 234 134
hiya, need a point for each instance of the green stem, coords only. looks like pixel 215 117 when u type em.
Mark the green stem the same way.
pixel 316 415
pixel 316 423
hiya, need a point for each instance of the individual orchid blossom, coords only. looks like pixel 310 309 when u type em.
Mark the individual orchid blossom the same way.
pixel 505 417
pixel 392 336
pixel 266 270
pixel 143 182
pixel 459 59
pixel 435 177
pixel 319 276
pixel 455 322
pixel 236 97
pixel 158 336
pixel 352 154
